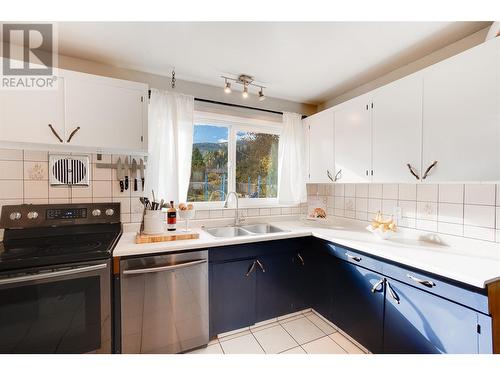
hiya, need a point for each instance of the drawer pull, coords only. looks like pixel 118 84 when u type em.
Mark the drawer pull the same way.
pixel 428 284
pixel 357 259
pixel 377 284
pixel 261 266
pixel 251 269
pixel 392 293
pixel 300 259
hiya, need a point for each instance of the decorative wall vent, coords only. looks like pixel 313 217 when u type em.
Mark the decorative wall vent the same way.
pixel 69 170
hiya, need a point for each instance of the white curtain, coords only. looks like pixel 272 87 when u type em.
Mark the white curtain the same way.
pixel 291 161
pixel 170 142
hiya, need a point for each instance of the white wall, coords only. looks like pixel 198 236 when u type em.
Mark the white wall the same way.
pixel 433 58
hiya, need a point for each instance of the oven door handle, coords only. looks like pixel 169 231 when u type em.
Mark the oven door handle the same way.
pixel 53 274
pixel 164 268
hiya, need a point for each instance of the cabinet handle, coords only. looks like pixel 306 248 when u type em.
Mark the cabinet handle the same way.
pixel 429 169
pixel 261 265
pixel 300 259
pixel 251 269
pixel 357 259
pixel 392 293
pixel 329 175
pixel 72 134
pixel 338 176
pixel 377 284
pixel 427 283
pixel 55 133
pixel 412 171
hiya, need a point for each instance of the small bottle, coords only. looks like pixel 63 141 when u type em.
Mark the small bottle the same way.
pixel 171 217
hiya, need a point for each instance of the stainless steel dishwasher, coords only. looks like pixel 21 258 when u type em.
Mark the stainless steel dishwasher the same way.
pixel 164 303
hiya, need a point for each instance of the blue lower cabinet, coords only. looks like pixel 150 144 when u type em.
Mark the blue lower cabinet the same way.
pixel 419 322
pixel 358 304
pixel 232 295
pixel 276 276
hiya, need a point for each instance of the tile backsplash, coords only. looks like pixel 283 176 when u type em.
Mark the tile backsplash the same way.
pixel 24 178
pixel 467 210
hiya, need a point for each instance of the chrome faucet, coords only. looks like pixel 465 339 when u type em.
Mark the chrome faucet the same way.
pixel 237 220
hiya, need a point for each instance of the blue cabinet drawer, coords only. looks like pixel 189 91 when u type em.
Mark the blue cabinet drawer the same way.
pixel 354 257
pixel 466 295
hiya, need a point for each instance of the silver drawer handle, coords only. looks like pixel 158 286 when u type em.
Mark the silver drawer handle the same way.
pixel 427 283
pixel 251 269
pixel 300 259
pixel 165 268
pixel 259 263
pixel 375 287
pixel 50 275
pixel 357 259
pixel 392 293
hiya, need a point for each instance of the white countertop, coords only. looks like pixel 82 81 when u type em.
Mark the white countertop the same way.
pixel 469 261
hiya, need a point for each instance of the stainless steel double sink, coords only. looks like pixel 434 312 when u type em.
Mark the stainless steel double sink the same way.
pixel 244 230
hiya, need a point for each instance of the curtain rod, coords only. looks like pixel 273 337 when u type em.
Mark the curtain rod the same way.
pixel 234 105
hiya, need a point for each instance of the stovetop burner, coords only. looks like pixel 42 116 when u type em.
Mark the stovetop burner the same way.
pixel 57 244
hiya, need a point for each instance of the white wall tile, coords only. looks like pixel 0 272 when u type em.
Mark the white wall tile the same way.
pixel 388 206
pixel 36 201
pixel 362 204
pixel 36 170
pixel 30 155
pixel 480 194
pixel 497 221
pixel 277 210
pixel 479 233
pixel 426 211
pixel 498 195
pixel 350 214
pixel 350 190
pixel 330 202
pixel 253 212
pixel 59 200
pixel 215 214
pixel 390 191
pixel 408 208
pixel 339 203
pixel 136 207
pixel 59 192
pixel 349 204
pixel 228 212
pixel 104 158
pixel 451 213
pixel 451 193
pixel 286 210
pixel 427 192
pixel 322 189
pixel 427 225
pixel 407 222
pixel 450 228
pixel 338 212
pixel 361 190
pixel 202 214
pixel 362 215
pixel 101 189
pixel 36 189
pixel 375 191
pixel 480 216
pixel 11 170
pixel 497 235
pixel 339 190
pixel 374 205
pixel 265 212
pixel 408 192
pixel 81 192
pixel 101 174
pixel 10 154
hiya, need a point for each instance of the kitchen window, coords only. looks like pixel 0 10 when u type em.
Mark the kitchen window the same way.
pixel 234 154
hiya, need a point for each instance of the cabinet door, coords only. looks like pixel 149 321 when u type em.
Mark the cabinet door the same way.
pixel 353 140
pixel 397 130
pixel 25 115
pixel 232 295
pixel 109 115
pixel 321 147
pixel 420 322
pixel 275 285
pixel 461 125
pixel 357 309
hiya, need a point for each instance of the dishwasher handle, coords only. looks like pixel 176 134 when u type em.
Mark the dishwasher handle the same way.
pixel 164 268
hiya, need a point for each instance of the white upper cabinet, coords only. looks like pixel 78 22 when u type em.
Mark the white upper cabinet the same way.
pixel 397 130
pixel 32 116
pixel 321 150
pixel 85 112
pixel 353 140
pixel 461 122
pixel 104 113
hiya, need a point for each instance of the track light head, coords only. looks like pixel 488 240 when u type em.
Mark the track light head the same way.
pixel 227 87
pixel 262 97
pixel 245 92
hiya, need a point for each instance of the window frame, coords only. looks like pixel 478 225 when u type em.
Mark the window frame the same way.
pixel 234 125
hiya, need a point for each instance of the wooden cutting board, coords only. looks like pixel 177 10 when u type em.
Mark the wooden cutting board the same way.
pixel 165 237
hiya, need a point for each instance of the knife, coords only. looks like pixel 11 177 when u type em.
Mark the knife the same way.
pixel 141 168
pixel 126 169
pixel 134 173
pixel 120 173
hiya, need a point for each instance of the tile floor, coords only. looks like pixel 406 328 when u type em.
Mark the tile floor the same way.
pixel 305 332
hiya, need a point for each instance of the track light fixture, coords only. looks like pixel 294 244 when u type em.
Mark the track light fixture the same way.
pixel 246 81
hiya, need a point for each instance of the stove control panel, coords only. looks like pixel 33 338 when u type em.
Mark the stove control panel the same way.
pixel 52 215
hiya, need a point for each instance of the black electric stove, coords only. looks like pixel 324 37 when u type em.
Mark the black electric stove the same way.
pixel 41 235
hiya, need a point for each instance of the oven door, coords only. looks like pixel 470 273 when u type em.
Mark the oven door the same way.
pixel 56 310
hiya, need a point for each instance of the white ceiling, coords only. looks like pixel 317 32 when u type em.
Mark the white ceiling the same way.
pixel 303 62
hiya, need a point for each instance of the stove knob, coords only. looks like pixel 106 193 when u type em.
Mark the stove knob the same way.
pixel 110 212
pixel 15 216
pixel 96 212
pixel 32 215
